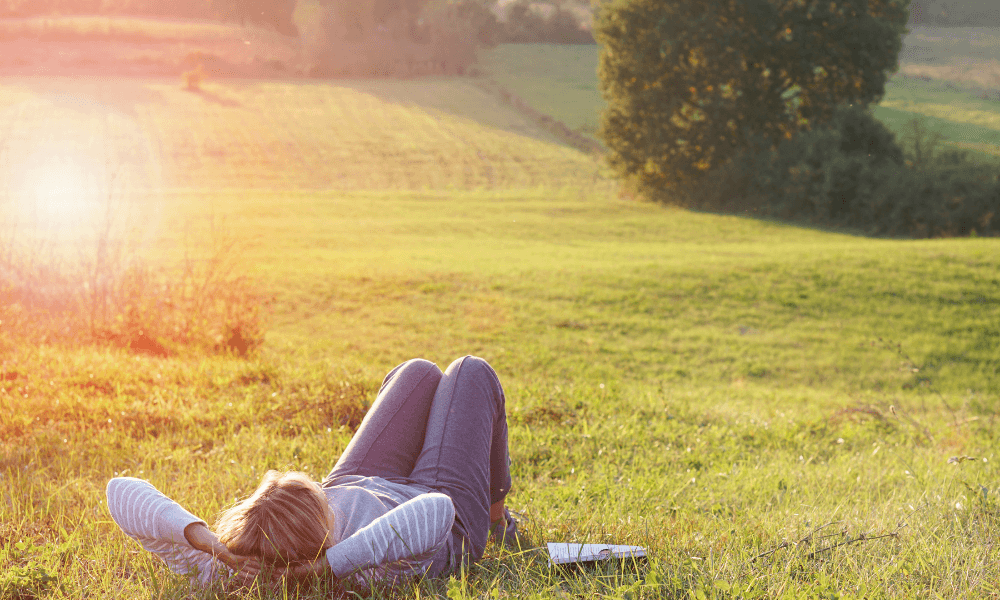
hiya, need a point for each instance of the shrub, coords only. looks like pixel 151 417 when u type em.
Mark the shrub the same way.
pixel 276 14
pixel 441 39
pixel 525 22
pixel 111 295
pixel 854 174
pixel 480 22
pixel 688 84
pixel 951 196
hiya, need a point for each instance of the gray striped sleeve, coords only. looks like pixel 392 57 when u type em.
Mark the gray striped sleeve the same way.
pixel 402 540
pixel 157 523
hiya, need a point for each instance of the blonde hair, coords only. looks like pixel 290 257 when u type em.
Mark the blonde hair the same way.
pixel 283 521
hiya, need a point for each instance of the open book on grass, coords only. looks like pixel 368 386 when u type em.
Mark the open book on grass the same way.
pixel 561 554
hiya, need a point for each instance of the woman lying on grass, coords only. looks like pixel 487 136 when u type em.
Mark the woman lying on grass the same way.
pixel 417 492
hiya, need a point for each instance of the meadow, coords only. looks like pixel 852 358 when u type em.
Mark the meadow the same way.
pixel 948 77
pixel 772 411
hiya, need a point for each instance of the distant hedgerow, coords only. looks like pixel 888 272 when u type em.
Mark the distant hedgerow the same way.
pixel 855 174
pixel 524 23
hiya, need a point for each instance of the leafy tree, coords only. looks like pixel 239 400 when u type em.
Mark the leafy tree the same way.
pixel 361 17
pixel 273 13
pixel 688 83
pixel 525 23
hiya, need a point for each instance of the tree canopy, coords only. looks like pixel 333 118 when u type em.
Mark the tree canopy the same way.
pixel 688 83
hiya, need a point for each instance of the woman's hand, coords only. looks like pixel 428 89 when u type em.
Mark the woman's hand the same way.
pixel 202 538
pixel 319 567
pixel 252 569
pixel 248 569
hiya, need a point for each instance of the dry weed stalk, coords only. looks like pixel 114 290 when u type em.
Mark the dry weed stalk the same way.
pixel 108 293
pixel 812 538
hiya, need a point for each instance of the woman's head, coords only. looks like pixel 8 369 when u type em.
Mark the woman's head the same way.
pixel 286 519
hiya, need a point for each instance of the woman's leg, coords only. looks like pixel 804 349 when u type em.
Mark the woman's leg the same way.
pixel 465 451
pixel 391 435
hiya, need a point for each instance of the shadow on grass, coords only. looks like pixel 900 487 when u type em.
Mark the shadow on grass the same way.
pixel 214 98
pixel 754 213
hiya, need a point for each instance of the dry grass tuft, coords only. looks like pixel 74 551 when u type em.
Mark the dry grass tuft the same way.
pixel 113 296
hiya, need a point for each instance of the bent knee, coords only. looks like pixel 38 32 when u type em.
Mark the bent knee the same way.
pixel 420 364
pixel 421 367
pixel 477 368
pixel 415 368
pixel 472 364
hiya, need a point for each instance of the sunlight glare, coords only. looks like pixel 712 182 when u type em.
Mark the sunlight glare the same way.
pixel 61 190
pixel 73 171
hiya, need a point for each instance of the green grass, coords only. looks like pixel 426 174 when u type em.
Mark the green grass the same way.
pixel 141 29
pixel 641 348
pixel 706 386
pixel 964 120
pixel 962 56
pixel 427 134
pixel 949 107
pixel 558 80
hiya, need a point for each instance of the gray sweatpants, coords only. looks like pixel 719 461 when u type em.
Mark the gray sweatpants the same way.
pixel 445 431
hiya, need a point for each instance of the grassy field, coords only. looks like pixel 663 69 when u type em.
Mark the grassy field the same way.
pixel 944 79
pixel 770 410
pixel 558 80
pixel 118 28
pixel 964 56
pixel 964 120
pixel 428 134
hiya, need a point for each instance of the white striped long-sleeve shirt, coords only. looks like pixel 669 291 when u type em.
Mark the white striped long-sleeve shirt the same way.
pixel 398 542
pixel 158 523
pixel 401 542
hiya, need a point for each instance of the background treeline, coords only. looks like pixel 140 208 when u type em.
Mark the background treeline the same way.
pixel 955 13
pixel 404 38
pixel 490 22
pixel 526 22
pixel 854 173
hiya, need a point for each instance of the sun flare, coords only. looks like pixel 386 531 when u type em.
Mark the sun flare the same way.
pixel 61 190
pixel 66 177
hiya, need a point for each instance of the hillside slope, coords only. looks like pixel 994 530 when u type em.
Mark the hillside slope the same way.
pixel 421 134
pixel 947 76
pixel 718 389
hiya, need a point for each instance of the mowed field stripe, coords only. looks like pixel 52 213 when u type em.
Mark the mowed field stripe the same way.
pixel 304 134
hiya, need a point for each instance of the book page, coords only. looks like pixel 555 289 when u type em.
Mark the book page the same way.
pixel 562 553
